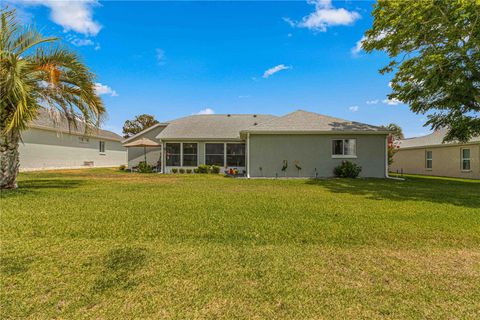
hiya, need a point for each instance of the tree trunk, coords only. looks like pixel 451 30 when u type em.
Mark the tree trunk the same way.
pixel 9 160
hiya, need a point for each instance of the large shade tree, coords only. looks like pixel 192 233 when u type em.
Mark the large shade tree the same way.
pixel 434 50
pixel 36 72
pixel 140 123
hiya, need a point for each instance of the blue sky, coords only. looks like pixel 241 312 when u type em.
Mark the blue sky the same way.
pixel 172 59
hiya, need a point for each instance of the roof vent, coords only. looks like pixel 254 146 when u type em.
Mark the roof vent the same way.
pixel 229 115
pixel 255 124
pixel 254 115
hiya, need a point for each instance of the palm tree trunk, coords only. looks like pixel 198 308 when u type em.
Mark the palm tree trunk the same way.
pixel 9 160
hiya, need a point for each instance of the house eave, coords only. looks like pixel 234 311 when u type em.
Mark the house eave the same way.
pixel 144 131
pixel 74 133
pixel 296 132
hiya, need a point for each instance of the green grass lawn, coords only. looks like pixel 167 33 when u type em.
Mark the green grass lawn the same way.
pixel 105 244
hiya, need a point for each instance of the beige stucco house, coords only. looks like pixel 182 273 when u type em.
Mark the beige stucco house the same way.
pixel 49 144
pixel 428 155
pixel 259 145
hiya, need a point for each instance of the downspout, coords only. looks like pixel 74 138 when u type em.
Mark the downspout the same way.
pixel 386 157
pixel 248 155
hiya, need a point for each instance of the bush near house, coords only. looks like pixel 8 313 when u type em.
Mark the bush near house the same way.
pixel 347 170
pixel 174 170
pixel 203 168
pixel 215 169
pixel 181 170
pixel 144 167
pixel 189 170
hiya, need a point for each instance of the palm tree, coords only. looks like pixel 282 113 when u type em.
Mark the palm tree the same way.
pixel 35 72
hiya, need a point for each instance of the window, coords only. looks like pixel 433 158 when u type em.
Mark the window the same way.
pixel 190 152
pixel 101 146
pixel 215 154
pixel 83 140
pixel 235 154
pixel 344 148
pixel 428 159
pixel 172 154
pixel 466 159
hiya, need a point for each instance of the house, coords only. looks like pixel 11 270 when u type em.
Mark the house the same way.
pixel 306 143
pixel 428 155
pixel 49 144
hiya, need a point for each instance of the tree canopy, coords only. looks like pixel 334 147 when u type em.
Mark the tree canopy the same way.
pixel 434 50
pixel 140 123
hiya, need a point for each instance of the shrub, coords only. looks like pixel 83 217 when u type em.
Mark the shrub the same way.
pixel 122 167
pixel 181 170
pixel 196 170
pixel 174 170
pixel 215 169
pixel 203 168
pixel 347 170
pixel 144 167
pixel 189 170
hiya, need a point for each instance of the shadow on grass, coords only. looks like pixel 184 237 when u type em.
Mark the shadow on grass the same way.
pixel 13 265
pixel 119 269
pixel 34 185
pixel 459 193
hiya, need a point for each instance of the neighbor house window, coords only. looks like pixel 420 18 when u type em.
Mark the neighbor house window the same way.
pixel 190 152
pixel 215 154
pixel 428 159
pixel 466 159
pixel 83 140
pixel 101 146
pixel 235 154
pixel 172 154
pixel 344 147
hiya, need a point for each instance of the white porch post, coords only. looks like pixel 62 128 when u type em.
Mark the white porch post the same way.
pixel 386 158
pixel 248 154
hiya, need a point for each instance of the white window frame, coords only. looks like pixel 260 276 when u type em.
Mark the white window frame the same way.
pixel 225 160
pixel 100 144
pixel 463 159
pixel 428 159
pixel 182 154
pixel 343 155
pixel 223 154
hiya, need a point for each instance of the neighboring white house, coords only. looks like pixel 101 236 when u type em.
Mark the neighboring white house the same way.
pixel 49 144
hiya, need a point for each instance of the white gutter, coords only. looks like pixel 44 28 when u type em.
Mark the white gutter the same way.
pixel 248 154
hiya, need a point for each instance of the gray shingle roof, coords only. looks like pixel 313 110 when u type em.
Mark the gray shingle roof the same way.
pixel 212 126
pixel 45 121
pixel 303 121
pixel 435 138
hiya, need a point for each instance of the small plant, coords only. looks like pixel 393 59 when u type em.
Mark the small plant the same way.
pixel 189 171
pixel 215 169
pixel 174 170
pixel 347 170
pixel 196 170
pixel 122 167
pixel 297 165
pixel 284 167
pixel 181 170
pixel 203 168
pixel 144 167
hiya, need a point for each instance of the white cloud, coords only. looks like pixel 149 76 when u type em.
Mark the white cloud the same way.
pixel 390 84
pixel 392 102
pixel 353 108
pixel 102 89
pixel 71 15
pixel 324 16
pixel 358 47
pixel 82 42
pixel 275 69
pixel 206 111
pixel 160 55
pixel 375 101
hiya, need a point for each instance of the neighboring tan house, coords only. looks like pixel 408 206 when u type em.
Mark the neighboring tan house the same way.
pixel 428 155
pixel 260 145
pixel 49 144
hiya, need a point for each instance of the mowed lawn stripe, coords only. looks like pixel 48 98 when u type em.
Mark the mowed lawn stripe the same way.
pixel 100 243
